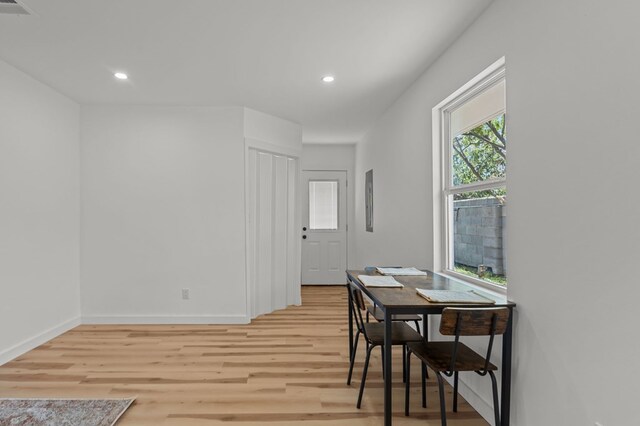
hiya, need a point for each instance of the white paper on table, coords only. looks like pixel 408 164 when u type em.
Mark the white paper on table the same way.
pixel 452 296
pixel 379 281
pixel 401 271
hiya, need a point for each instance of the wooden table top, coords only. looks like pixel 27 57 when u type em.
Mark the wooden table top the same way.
pixel 407 297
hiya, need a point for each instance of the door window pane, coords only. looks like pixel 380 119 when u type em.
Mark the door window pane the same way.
pixel 323 205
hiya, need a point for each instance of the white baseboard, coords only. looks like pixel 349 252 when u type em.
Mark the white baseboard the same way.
pixel 165 319
pixel 37 340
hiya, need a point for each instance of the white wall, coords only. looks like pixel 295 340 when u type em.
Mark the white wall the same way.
pixel 262 127
pixel 39 195
pixel 398 152
pixel 163 209
pixel 572 85
pixel 336 157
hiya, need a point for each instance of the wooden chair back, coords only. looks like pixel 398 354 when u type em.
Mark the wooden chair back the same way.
pixel 358 298
pixel 357 306
pixel 474 321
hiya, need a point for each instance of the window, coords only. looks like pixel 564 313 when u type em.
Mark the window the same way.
pixel 323 205
pixel 472 135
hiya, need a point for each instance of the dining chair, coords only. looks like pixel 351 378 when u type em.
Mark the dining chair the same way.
pixel 450 358
pixel 377 313
pixel 373 334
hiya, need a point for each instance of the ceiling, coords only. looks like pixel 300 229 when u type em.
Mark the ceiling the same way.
pixel 268 55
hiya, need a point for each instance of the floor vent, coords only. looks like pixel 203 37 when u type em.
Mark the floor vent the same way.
pixel 12 7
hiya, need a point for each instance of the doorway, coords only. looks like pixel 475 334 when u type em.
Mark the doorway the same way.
pixel 324 227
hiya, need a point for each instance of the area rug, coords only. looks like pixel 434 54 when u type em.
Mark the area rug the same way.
pixel 61 412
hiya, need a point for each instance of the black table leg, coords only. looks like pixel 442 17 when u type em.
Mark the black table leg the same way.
pixel 425 326
pixel 507 348
pixel 387 368
pixel 350 322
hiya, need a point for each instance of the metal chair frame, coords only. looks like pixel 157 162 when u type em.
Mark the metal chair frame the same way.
pixel 453 372
pixel 357 306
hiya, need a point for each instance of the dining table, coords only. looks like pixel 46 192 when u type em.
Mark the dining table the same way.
pixel 406 300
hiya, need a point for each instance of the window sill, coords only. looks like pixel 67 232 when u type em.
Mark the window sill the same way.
pixel 496 289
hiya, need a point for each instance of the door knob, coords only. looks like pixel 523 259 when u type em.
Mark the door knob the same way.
pixel 304 237
pixel 304 228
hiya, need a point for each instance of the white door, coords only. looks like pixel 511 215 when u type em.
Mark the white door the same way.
pixel 324 227
pixel 273 232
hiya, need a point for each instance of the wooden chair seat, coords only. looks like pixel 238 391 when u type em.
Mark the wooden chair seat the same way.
pixel 438 355
pixel 379 315
pixel 401 333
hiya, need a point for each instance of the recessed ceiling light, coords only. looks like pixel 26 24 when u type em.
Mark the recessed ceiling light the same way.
pixel 121 76
pixel 328 78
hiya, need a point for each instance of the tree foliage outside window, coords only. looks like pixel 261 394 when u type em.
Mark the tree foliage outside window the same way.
pixel 480 154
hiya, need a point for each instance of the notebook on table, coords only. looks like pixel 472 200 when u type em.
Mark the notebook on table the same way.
pixel 379 281
pixel 452 296
pixel 400 271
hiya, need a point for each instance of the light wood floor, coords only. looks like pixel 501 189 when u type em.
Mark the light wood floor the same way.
pixel 284 368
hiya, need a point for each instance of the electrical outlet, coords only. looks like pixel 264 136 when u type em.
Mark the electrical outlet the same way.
pixel 185 294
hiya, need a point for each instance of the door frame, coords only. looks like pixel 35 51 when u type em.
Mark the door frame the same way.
pixel 346 214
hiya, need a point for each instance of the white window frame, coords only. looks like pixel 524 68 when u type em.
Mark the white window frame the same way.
pixel 337 228
pixel 443 187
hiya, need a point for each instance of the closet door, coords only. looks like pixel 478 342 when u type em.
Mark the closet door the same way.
pixel 273 249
